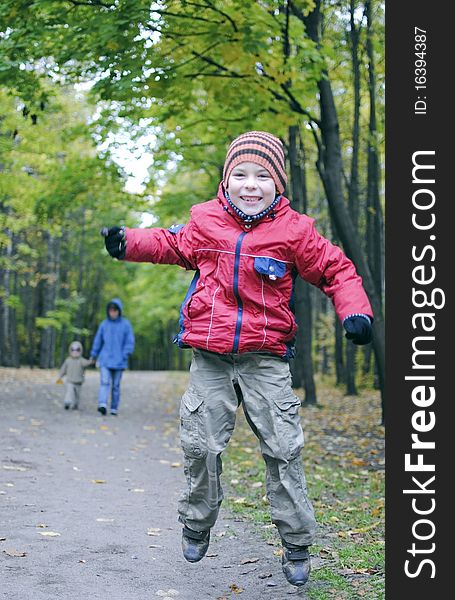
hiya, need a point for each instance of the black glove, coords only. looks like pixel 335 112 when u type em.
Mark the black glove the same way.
pixel 358 329
pixel 114 240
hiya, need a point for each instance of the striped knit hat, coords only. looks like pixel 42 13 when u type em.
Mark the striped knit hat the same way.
pixel 261 148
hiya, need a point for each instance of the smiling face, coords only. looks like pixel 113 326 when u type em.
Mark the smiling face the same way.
pixel 251 188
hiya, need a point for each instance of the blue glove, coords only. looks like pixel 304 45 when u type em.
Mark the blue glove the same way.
pixel 358 329
pixel 114 240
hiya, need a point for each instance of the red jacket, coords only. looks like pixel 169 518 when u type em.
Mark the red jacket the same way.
pixel 239 299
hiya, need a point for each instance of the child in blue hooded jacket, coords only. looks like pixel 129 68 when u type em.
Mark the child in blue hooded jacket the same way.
pixel 112 346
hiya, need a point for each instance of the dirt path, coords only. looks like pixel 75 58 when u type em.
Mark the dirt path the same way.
pixel 88 504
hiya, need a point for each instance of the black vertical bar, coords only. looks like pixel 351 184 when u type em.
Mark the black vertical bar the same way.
pixel 419 509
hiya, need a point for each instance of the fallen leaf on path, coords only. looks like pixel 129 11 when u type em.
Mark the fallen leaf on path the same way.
pixel 364 529
pixel 359 462
pixel 98 481
pixel 42 525
pixel 2 539
pixel 264 575
pixel 12 552
pixel 214 555
pixel 176 464
pixel 10 468
pixel 50 533
pixel 102 520
pixel 327 553
pixel 235 588
pixel 342 534
pixel 246 561
pixel 139 490
pixel 82 561
pixel 155 546
pixel 153 531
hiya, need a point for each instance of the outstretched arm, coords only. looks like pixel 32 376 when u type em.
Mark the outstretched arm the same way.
pixel 324 265
pixel 167 246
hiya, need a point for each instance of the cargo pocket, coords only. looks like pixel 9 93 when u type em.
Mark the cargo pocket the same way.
pixel 192 431
pixel 289 428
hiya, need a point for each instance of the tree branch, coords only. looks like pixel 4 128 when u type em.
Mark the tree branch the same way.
pixel 214 74
pixel 319 161
pixel 93 3
pixel 292 101
pixel 184 16
pixel 228 17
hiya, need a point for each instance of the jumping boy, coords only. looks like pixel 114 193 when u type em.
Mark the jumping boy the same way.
pixel 246 248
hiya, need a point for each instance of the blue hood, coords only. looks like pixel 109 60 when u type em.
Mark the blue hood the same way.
pixel 117 303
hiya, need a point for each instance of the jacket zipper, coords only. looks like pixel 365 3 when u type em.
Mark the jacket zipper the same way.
pixel 238 324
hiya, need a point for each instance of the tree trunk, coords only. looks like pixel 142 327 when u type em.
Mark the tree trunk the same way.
pixel 374 209
pixel 64 292
pixel 47 343
pixel 81 270
pixel 340 370
pixel 303 375
pixel 29 300
pixel 13 337
pixel 330 169
pixel 353 196
pixel 8 333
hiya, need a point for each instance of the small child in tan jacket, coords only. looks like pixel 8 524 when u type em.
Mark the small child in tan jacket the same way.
pixel 73 368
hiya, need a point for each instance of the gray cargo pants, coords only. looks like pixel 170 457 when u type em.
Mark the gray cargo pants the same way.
pixel 73 394
pixel 262 383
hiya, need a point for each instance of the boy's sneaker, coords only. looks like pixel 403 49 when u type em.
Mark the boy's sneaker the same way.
pixel 102 410
pixel 194 544
pixel 114 413
pixel 296 564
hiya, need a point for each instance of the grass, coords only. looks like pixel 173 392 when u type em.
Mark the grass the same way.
pixel 344 467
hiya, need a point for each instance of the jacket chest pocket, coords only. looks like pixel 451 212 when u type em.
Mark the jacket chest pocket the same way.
pixel 274 269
